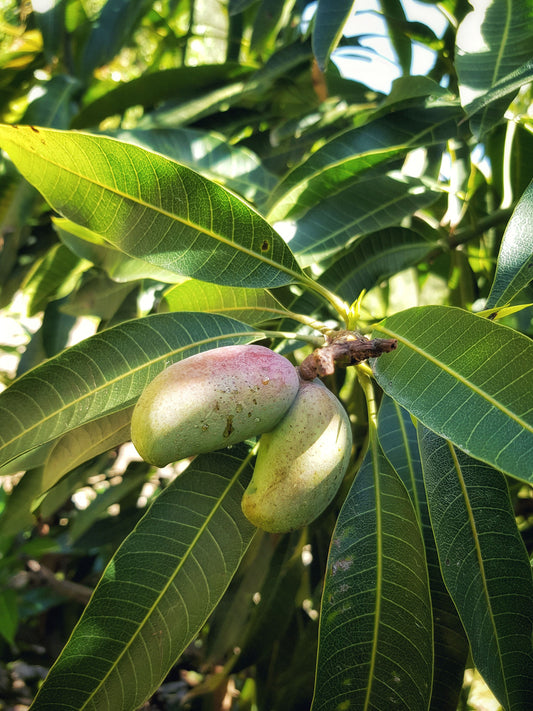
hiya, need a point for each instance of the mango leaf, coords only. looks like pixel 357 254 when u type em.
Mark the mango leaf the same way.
pixel 248 305
pixel 9 615
pixel 52 277
pixel 157 592
pixel 375 646
pixel 466 378
pixel 367 206
pixel 330 18
pixel 209 153
pixel 514 269
pixel 50 19
pixel 153 87
pixel 344 158
pixel 396 20
pixel 492 41
pixel 375 257
pixel 510 83
pixel 484 564
pixel 118 266
pixel 111 30
pixel 151 207
pixel 398 437
pixel 103 374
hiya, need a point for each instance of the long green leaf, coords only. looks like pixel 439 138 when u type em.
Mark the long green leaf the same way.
pixel 399 439
pixel 103 374
pixel 466 378
pixel 329 21
pixel 375 646
pixel 492 41
pixel 157 591
pixel 485 566
pixel 375 257
pixel 248 305
pixel 514 269
pixel 367 206
pixel 151 207
pixel 346 156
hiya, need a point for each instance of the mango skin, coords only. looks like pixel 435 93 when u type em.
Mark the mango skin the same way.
pixel 211 400
pixel 301 463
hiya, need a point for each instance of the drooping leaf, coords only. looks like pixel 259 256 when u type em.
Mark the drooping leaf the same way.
pixel 375 646
pixel 398 437
pixel 52 277
pixel 153 87
pixel 248 305
pixel 329 21
pixel 375 257
pixel 346 156
pixel 394 15
pixel 151 207
pixel 466 378
pixel 118 266
pixel 157 591
pixel 111 30
pixel 9 615
pixel 103 374
pixel 492 41
pixel 485 566
pixel 50 19
pixel 514 269
pixel 367 206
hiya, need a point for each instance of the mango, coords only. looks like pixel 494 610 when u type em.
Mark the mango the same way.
pixel 300 464
pixel 211 400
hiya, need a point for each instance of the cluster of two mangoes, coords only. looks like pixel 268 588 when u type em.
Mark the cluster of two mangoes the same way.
pixel 226 395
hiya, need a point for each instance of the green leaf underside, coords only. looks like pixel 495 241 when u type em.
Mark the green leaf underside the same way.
pixel 375 257
pixel 328 25
pixel 104 374
pixel 375 646
pixel 151 207
pixel 157 591
pixel 399 439
pixel 248 305
pixel 346 156
pixel 452 368
pixel 514 269
pixel 367 206
pixel 492 41
pixel 485 566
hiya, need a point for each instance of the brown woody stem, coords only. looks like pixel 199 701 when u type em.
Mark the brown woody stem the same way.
pixel 344 349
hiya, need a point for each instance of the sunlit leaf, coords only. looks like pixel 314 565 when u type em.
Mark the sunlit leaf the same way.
pixel 151 207
pixel 466 378
pixel 514 269
pixel 368 206
pixel 248 305
pixel 485 566
pixel 157 591
pixel 375 646
pixel 492 41
pixel 346 156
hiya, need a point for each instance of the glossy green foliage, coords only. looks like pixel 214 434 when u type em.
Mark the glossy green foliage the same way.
pixel 177 178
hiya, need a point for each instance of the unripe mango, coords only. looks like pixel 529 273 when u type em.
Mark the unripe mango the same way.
pixel 211 400
pixel 300 463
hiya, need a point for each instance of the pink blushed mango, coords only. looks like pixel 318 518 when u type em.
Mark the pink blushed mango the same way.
pixel 212 400
pixel 300 463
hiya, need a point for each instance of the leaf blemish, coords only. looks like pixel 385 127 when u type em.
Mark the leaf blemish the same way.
pixel 265 246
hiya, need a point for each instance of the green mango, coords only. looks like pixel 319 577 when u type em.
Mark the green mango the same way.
pixel 211 400
pixel 300 463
